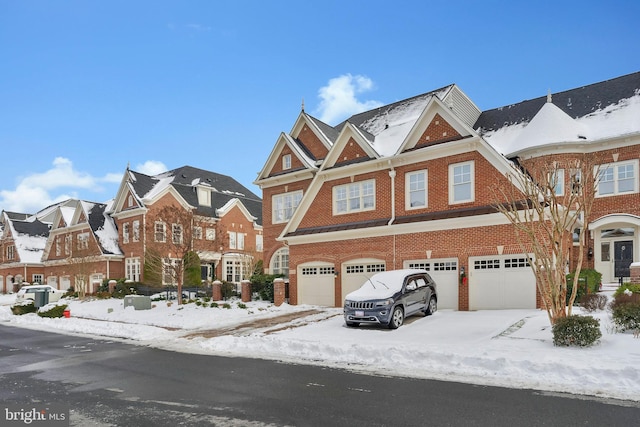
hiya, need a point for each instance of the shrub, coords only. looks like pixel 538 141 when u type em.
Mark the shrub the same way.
pixel 242 305
pixel 576 330
pixel 593 302
pixel 52 310
pixel 226 305
pixel 588 283
pixel 625 309
pixel 214 305
pixel 27 306
pixel 228 290
pixel 627 287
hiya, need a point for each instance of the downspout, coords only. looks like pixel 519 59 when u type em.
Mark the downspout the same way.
pixel 392 175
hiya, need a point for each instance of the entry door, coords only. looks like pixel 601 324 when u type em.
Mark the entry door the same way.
pixel 623 253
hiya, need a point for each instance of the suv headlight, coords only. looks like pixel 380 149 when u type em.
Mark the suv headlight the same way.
pixel 384 303
pixel 347 303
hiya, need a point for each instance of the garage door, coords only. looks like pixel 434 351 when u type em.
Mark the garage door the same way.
pixel 316 284
pixel 444 271
pixel 501 282
pixel 355 273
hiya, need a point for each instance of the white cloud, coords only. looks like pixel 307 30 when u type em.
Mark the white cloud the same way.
pixel 151 167
pixel 339 98
pixel 39 190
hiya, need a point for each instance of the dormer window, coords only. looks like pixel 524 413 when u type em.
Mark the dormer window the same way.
pixel 204 196
pixel 286 162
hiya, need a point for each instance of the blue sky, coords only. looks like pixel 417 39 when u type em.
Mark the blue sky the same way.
pixel 88 87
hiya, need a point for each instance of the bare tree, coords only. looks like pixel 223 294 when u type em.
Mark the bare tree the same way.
pixel 548 203
pixel 79 262
pixel 171 237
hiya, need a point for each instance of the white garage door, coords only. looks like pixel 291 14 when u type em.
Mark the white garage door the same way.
pixel 355 273
pixel 316 284
pixel 445 273
pixel 501 282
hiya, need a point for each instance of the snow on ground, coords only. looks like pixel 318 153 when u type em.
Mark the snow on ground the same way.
pixel 510 348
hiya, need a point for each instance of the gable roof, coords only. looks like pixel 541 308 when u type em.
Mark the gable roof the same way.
pixel 29 236
pixel 606 109
pixel 185 181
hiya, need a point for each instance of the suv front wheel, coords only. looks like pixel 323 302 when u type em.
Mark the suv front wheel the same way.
pixel 397 318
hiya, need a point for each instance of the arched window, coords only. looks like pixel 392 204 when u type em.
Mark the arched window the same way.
pixel 280 262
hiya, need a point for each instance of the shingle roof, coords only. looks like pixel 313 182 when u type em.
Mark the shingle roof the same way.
pixel 575 102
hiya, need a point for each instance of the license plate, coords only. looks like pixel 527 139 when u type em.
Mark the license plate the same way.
pixel 359 313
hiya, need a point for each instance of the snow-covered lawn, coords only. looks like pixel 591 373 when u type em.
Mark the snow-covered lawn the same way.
pixel 511 348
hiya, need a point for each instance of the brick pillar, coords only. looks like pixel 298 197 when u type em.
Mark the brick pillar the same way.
pixel 112 286
pixel 246 291
pixel 279 291
pixel 217 291
pixel 635 273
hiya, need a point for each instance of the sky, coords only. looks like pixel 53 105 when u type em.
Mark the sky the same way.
pixel 89 88
pixel 507 348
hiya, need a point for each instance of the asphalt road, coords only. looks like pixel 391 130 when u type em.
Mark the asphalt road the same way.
pixel 111 383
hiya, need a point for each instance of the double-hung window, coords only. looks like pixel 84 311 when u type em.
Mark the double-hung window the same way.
pixel 416 189
pixel 461 182
pixel 618 178
pixel 354 197
pixel 284 205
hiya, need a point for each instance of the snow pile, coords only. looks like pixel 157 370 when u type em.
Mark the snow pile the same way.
pixel 511 348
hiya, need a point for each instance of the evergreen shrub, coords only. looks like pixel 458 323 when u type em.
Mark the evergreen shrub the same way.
pixel 625 311
pixel 25 307
pixel 52 310
pixel 582 331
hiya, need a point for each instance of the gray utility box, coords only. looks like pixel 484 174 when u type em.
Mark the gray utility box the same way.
pixel 138 302
pixel 40 297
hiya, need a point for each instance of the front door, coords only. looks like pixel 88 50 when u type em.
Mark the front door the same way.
pixel 623 253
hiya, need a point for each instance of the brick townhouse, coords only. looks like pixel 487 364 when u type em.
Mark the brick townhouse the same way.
pixel 409 185
pixel 88 242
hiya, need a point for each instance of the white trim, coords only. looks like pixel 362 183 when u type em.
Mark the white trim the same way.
pixel 471 182
pixel 408 192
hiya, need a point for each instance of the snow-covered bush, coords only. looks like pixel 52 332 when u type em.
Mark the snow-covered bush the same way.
pixel 625 310
pixel 24 307
pixel 575 330
pixel 593 302
pixel 52 310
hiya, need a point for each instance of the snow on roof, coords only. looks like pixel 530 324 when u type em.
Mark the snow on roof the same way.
pixel 163 182
pixel 551 125
pixel 67 213
pixel 30 248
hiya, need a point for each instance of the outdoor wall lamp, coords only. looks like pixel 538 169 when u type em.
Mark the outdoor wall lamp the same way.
pixel 590 253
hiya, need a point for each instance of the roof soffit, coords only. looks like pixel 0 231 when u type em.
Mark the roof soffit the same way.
pixel 435 106
pixel 349 132
pixel 283 140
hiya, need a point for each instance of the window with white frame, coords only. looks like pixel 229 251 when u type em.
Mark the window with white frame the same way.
pixel 125 232
pixel 176 232
pixel 232 239
pixel 37 278
pixel 280 262
pixel 286 162
pixel 556 181
pixel 461 182
pixel 284 205
pixel 240 241
pixel 68 240
pixel 197 233
pixel 159 234
pixel 136 230
pixel 618 178
pixel 259 243
pixel 354 197
pixel 11 252
pixel 204 196
pixel 210 234
pixel 58 246
pixel 83 241
pixel 132 269
pixel 169 270
pixel 416 189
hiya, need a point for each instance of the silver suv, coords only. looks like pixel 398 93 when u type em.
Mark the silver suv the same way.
pixel 388 297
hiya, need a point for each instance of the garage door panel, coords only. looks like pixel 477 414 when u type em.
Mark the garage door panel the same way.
pixel 443 271
pixel 316 285
pixel 501 282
